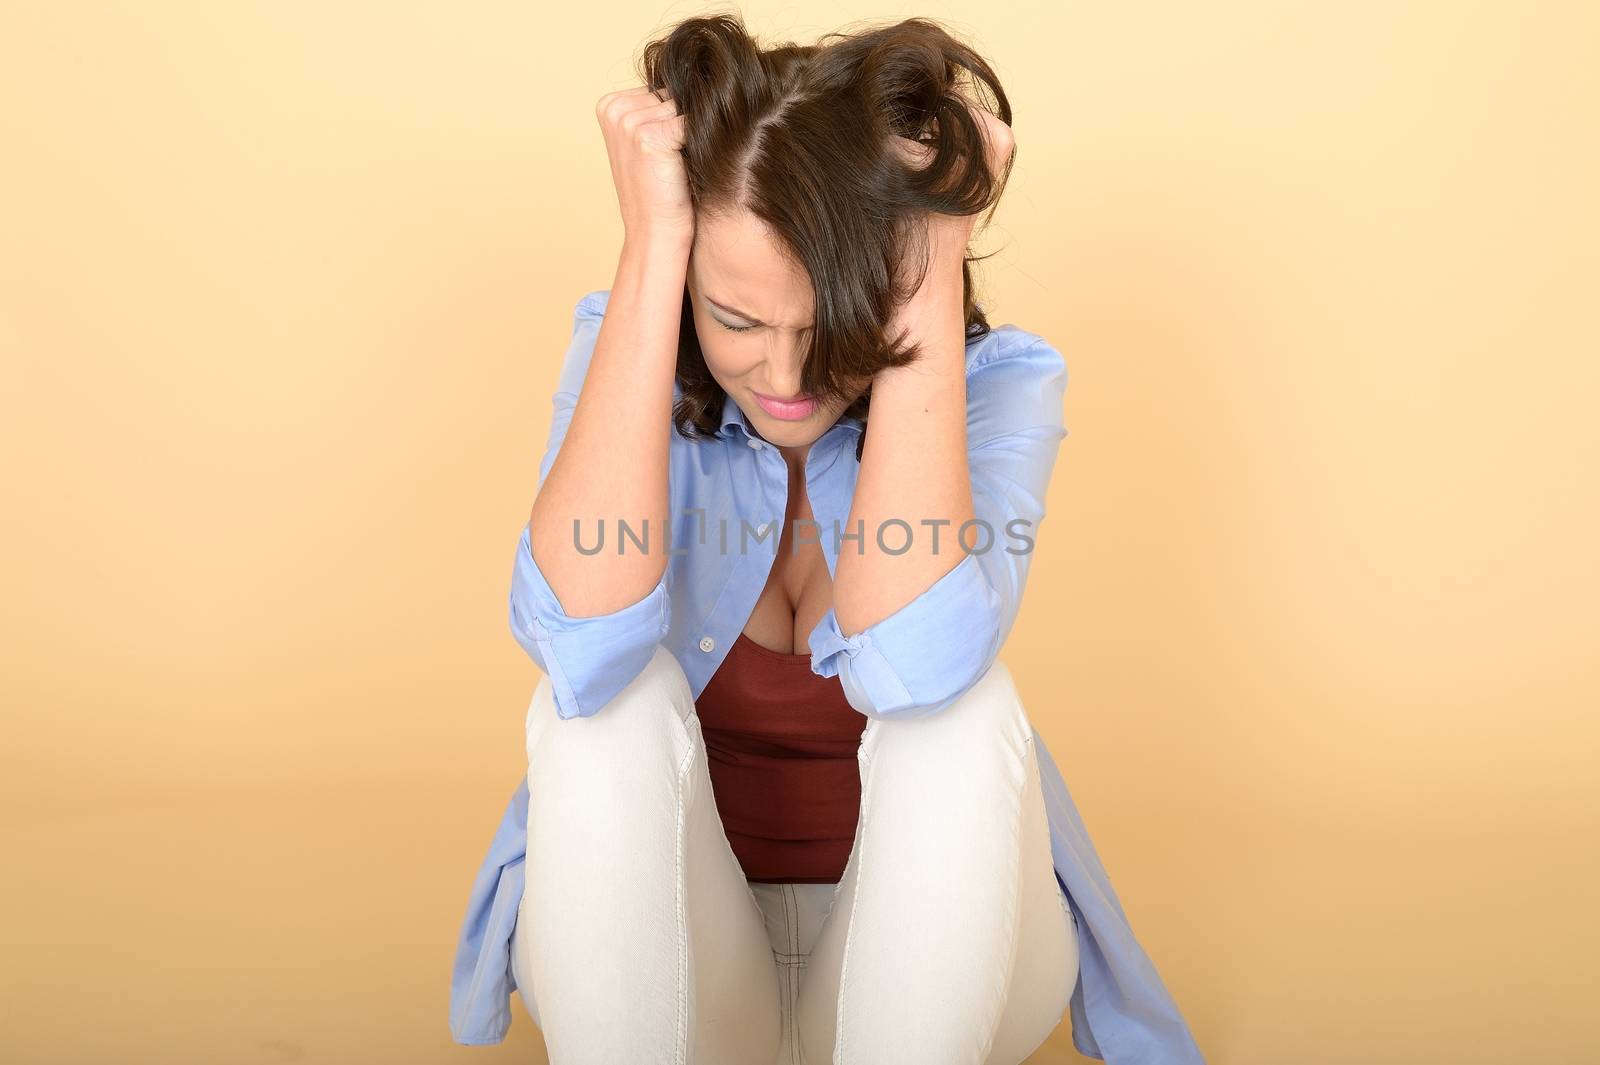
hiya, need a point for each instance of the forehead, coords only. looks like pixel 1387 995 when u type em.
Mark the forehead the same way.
pixel 740 264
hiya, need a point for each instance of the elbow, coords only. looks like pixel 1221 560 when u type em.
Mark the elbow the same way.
pixel 589 660
pixel 924 657
pixel 886 691
pixel 588 666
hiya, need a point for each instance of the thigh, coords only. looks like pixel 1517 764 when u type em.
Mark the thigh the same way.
pixel 737 999
pixel 637 929
pixel 1045 968
pixel 947 926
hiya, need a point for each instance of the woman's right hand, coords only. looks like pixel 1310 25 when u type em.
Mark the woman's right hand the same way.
pixel 644 138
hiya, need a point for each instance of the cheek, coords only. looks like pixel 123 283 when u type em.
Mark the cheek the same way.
pixel 729 356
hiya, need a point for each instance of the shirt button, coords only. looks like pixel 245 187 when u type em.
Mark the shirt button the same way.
pixel 707 643
pixel 755 444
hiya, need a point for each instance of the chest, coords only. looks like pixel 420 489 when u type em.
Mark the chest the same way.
pixel 799 588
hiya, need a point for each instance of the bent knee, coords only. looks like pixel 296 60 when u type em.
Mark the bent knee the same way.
pixel 661 679
pixel 990 707
pixel 984 735
pixel 657 701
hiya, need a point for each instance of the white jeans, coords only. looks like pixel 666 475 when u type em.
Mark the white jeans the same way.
pixel 948 940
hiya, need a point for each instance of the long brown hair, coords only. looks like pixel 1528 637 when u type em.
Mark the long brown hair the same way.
pixel 799 135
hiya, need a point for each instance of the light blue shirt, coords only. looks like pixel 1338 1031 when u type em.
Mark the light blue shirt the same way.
pixel 728 497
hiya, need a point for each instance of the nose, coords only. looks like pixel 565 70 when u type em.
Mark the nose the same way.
pixel 784 369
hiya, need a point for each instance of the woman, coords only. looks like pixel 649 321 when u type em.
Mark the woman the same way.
pixel 783 803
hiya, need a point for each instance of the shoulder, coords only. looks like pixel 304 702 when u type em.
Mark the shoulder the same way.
pixel 593 304
pixel 586 316
pixel 1009 347
pixel 1015 378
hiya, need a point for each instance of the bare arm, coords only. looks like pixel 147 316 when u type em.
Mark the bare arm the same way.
pixel 914 465
pixel 612 465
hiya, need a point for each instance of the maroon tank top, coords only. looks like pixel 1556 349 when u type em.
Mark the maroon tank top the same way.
pixel 781 749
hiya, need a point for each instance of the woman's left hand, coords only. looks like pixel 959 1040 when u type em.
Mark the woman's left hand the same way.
pixel 948 235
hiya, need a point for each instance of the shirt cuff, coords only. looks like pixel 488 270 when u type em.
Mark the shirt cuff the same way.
pixel 921 658
pixel 589 660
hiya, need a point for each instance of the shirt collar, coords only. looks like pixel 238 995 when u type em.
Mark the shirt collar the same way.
pixel 733 417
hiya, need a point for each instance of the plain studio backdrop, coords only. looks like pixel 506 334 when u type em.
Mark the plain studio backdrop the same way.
pixel 1312 630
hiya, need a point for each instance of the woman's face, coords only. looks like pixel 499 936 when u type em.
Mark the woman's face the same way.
pixel 754 312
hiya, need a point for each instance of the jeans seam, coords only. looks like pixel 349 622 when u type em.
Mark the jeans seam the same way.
pixel 789 907
pixel 1014 916
pixel 680 1048
pixel 865 760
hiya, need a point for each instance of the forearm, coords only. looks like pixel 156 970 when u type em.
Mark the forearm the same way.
pixel 612 464
pixel 913 466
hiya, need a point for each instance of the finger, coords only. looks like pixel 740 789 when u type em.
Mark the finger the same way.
pixel 649 117
pixel 633 111
pixel 632 99
pixel 668 132
pixel 625 95
pixel 913 153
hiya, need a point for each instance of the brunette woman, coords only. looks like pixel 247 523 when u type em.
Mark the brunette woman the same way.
pixel 783 801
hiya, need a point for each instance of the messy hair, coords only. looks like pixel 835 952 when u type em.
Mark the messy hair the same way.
pixel 799 135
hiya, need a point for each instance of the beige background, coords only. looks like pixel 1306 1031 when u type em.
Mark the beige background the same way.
pixel 283 290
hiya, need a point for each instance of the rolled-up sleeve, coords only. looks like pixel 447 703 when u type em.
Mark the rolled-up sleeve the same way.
pixel 589 659
pixel 924 656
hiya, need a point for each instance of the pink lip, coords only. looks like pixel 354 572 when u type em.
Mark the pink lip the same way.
pixel 787 410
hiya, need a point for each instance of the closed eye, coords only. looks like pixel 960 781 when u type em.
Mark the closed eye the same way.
pixel 732 328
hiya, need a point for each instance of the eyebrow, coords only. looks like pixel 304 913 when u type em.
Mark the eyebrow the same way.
pixel 752 319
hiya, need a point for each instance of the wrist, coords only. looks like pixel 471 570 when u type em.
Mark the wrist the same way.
pixel 662 242
pixel 942 295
